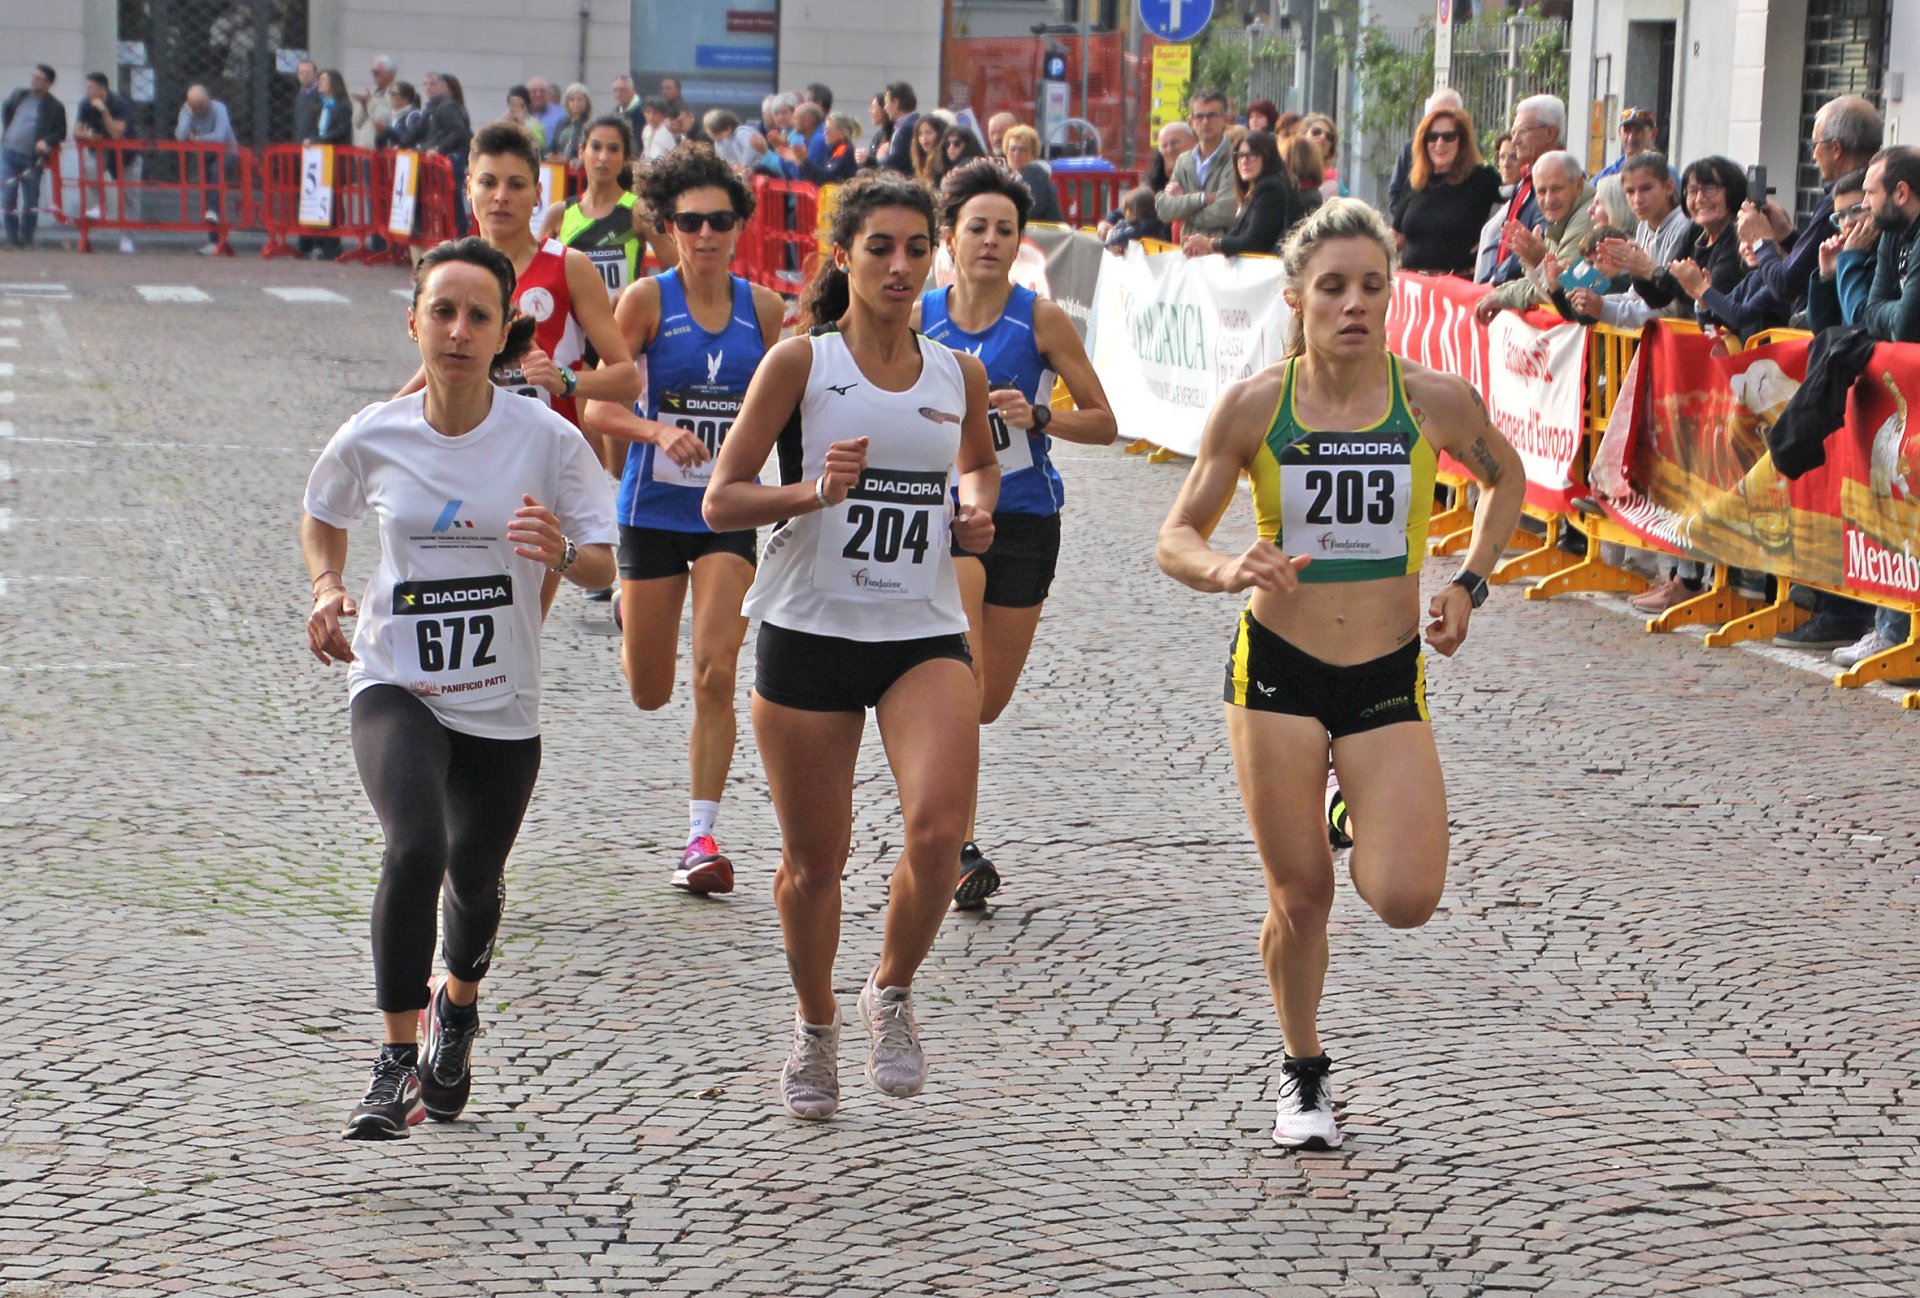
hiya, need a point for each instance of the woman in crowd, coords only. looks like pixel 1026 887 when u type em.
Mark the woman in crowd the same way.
pixel 522 116
pixel 1308 171
pixel 444 666
pixel 1269 202
pixel 928 132
pixel 1024 341
pixel 1449 192
pixel 842 162
pixel 1506 160
pixel 333 126
pixel 958 147
pixel 1021 147
pixel 1262 115
pixel 408 126
pixel 1319 128
pixel 571 135
pixel 1712 190
pixel 1340 441
pixel 860 608
pixel 701 331
pixel 873 150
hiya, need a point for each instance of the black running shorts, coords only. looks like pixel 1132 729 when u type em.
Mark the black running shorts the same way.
pixel 648 552
pixel 1267 674
pixel 823 673
pixel 1021 561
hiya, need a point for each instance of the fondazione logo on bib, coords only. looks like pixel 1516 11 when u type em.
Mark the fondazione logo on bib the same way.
pixel 863 579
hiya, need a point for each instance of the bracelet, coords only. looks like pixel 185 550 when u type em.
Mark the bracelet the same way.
pixel 569 552
pixel 328 590
pixel 820 490
pixel 323 572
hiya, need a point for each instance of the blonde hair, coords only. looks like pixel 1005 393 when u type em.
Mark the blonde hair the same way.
pixel 1021 132
pixel 1337 218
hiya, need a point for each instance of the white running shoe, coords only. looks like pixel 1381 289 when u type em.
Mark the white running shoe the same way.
pixel 1862 649
pixel 810 1082
pixel 896 1065
pixel 1305 1111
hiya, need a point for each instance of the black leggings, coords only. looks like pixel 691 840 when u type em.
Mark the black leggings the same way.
pixel 450 806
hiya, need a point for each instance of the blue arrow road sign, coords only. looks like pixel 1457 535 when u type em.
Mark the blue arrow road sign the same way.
pixel 1175 20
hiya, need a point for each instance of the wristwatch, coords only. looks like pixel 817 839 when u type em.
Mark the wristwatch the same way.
pixel 1474 584
pixel 567 556
pixel 1042 416
pixel 568 381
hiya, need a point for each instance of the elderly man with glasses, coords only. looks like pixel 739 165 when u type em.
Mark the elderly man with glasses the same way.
pixel 1846 135
pixel 1539 128
pixel 1201 195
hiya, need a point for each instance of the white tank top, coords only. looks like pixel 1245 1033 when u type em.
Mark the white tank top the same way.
pixel 876 566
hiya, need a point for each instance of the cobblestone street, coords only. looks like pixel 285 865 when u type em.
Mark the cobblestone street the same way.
pixel 1661 1037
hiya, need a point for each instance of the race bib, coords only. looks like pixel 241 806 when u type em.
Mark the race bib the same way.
pixel 888 538
pixel 612 265
pixel 1345 496
pixel 452 639
pixel 516 382
pixel 705 412
pixel 1011 446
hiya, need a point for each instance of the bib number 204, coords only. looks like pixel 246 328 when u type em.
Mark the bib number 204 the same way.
pixel 881 533
pixel 1350 496
pixel 444 639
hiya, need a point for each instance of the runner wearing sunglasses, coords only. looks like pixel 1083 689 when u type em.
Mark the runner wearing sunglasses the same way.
pixel 702 331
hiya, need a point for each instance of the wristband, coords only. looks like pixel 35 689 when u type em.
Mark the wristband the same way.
pixel 820 491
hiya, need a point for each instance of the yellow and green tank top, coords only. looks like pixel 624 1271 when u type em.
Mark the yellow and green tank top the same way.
pixel 1357 502
pixel 609 241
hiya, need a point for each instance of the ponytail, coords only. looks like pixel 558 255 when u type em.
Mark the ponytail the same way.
pixel 826 296
pixel 519 342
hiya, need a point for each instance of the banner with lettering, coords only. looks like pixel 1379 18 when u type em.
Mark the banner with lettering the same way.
pixel 1530 369
pixel 1170 333
pixel 1684 464
pixel 405 199
pixel 316 185
pixel 1060 264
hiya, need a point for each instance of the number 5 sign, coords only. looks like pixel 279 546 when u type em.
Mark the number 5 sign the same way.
pixel 1175 20
pixel 316 185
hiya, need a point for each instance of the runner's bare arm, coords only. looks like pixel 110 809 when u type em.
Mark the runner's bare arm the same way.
pixel 1227 447
pixel 617 379
pixel 664 248
pixel 637 315
pixel 414 384
pixel 979 468
pixel 1091 421
pixel 550 223
pixel 734 501
pixel 771 310
pixel 325 548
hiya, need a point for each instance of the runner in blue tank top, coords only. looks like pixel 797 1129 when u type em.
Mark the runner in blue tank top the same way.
pixel 1024 341
pixel 703 331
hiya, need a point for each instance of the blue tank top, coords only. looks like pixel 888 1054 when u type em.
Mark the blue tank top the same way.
pixel 695 380
pixel 1029 484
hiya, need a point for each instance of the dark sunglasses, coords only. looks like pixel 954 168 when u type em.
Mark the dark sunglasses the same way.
pixel 1444 137
pixel 690 222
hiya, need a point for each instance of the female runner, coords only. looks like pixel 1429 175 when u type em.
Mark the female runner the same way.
pixel 479 494
pixel 608 226
pixel 860 609
pixel 703 332
pixel 1328 646
pixel 1023 340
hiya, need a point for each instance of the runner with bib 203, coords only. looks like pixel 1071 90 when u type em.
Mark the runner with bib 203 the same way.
pixel 607 224
pixel 702 332
pixel 859 608
pixel 1340 440
pixel 1024 341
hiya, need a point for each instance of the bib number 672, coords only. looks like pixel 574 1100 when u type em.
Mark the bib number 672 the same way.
pixel 443 640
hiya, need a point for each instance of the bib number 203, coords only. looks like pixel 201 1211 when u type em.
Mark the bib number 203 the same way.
pixel 880 533
pixel 443 641
pixel 1350 496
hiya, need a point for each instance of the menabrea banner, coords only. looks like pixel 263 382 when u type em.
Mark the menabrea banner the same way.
pixel 1530 369
pixel 1169 334
pixel 1685 465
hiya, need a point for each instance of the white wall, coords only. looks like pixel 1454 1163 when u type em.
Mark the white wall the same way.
pixel 74 37
pixel 857 46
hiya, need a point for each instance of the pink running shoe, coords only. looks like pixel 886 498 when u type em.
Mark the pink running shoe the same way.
pixel 703 869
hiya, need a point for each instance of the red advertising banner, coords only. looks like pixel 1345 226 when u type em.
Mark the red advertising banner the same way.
pixel 1684 464
pixel 1530 369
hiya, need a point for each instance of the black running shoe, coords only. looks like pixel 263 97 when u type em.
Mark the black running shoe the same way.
pixel 978 880
pixel 446 1078
pixel 602 595
pixel 392 1102
pixel 1339 823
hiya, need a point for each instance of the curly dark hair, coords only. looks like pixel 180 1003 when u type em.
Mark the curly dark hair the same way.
pixel 504 139
pixel 970 180
pixel 691 166
pixel 827 294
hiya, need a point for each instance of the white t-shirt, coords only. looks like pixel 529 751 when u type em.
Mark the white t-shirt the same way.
pixel 877 566
pixel 451 613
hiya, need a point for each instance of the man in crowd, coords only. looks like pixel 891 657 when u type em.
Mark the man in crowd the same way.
pixel 902 109
pixel 808 123
pixel 1662 236
pixel 306 102
pixel 1892 310
pixel 627 104
pixel 542 108
pixel 102 115
pixel 672 96
pixel 1200 195
pixel 449 131
pixel 33 124
pixel 1637 134
pixel 1539 128
pixel 1846 135
pixel 1397 188
pixel 204 120
pixel 820 96
pixel 1563 194
pixel 997 127
pixel 373 107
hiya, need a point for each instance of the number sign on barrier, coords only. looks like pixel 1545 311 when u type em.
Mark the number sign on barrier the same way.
pixel 316 185
pixel 406 193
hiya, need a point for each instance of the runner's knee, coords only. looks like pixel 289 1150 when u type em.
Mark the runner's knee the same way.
pixel 1302 904
pixel 713 679
pixel 1405 904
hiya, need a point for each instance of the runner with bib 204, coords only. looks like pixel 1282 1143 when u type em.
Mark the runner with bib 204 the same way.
pixel 1340 441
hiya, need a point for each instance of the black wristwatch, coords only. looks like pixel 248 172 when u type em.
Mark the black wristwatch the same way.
pixel 1042 416
pixel 1474 584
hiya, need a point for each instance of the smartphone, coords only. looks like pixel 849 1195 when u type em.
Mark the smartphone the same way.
pixel 1758 190
pixel 1584 274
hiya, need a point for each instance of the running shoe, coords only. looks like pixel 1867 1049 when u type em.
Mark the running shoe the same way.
pixel 1823 631
pixel 978 880
pixel 602 595
pixel 1339 820
pixel 895 1065
pixel 446 1049
pixel 1305 1111
pixel 810 1082
pixel 392 1102
pixel 703 869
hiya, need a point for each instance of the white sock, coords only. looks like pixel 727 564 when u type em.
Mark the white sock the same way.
pixel 701 817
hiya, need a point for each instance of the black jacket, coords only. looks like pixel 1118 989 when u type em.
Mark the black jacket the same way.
pixel 448 129
pixel 1272 207
pixel 1835 362
pixel 53 118
pixel 306 115
pixel 408 127
pixel 1892 312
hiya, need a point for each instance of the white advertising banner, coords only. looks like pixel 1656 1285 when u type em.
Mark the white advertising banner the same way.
pixel 1536 393
pixel 1170 333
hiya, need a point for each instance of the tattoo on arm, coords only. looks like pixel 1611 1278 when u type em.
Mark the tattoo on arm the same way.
pixel 1482 457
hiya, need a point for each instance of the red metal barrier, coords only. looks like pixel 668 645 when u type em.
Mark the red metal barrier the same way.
pixel 356 203
pixel 438 202
pixel 159 185
pixel 779 246
pixel 1087 196
pixel 280 198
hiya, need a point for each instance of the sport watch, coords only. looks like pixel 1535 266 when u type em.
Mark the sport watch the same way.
pixel 1474 584
pixel 1042 416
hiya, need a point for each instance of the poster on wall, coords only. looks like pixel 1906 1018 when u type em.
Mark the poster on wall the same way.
pixel 723 53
